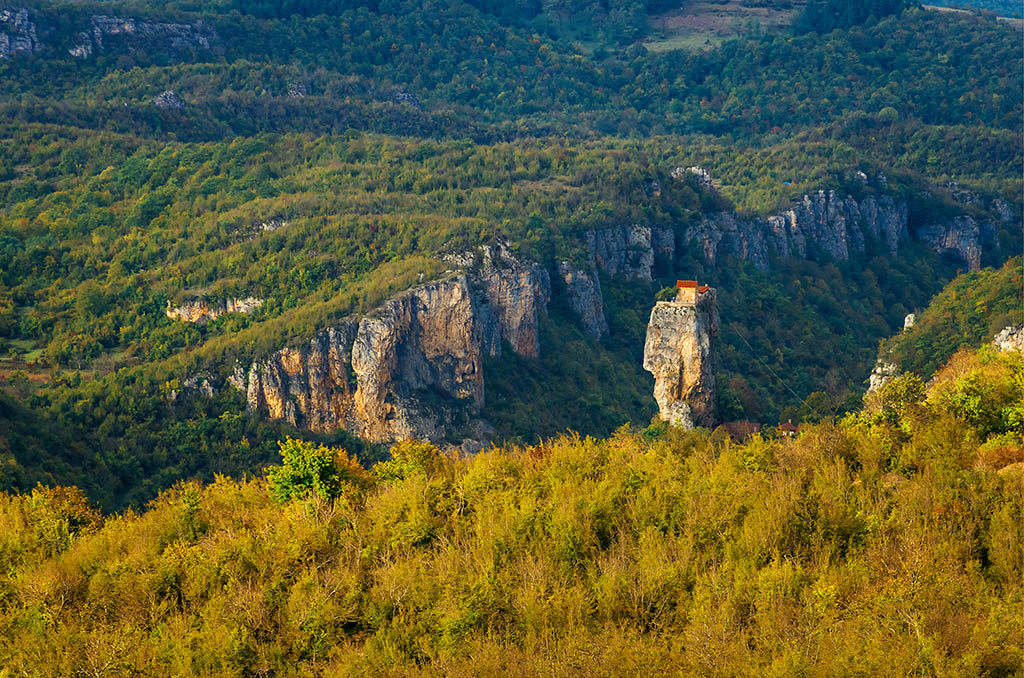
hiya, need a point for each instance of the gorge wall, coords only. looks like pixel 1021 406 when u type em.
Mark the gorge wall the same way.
pixel 413 368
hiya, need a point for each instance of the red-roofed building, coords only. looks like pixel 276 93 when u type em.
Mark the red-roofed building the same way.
pixel 788 429
pixel 687 291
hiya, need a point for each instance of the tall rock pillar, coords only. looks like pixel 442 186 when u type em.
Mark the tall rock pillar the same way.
pixel 680 343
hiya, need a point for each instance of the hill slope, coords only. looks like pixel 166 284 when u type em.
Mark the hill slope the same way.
pixel 854 543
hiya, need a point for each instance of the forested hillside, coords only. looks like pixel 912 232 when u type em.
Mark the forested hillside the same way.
pixel 315 158
pixel 325 343
pixel 969 311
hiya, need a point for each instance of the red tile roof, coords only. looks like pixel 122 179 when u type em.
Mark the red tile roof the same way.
pixel 686 283
pixel 703 288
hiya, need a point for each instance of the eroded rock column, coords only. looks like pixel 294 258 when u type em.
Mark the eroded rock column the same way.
pixel 679 353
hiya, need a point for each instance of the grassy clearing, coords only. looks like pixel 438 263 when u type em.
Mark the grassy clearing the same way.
pixel 706 25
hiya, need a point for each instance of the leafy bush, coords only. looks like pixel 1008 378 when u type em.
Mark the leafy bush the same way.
pixel 409 458
pixel 313 470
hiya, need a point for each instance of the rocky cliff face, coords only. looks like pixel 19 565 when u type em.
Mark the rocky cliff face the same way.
pixel 510 295
pixel 679 353
pixel 114 32
pixel 962 236
pixel 629 251
pixel 1010 339
pixel 881 374
pixel 17 33
pixel 407 370
pixel 201 311
pixel 823 222
pixel 412 368
pixel 583 292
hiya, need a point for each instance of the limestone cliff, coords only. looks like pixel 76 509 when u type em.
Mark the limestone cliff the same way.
pixel 509 294
pixel 583 293
pixel 407 370
pixel 881 374
pixel 629 251
pixel 1010 338
pixel 961 235
pixel 106 33
pixel 18 33
pixel 201 311
pixel 679 353
pixel 824 222
pixel 413 367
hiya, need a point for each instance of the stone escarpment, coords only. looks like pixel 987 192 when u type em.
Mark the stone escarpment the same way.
pixel 583 293
pixel 629 251
pixel 962 236
pixel 510 295
pixel 821 225
pixel 20 31
pixel 1010 339
pixel 824 223
pixel 967 236
pixel 405 370
pixel 413 368
pixel 109 32
pixel 679 353
pixel 201 311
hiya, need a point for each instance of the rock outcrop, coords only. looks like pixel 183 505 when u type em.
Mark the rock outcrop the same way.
pixel 107 32
pixel 822 223
pixel 881 374
pixel 679 353
pixel 168 100
pixel 1010 339
pixel 510 296
pixel 407 370
pixel 412 368
pixel 629 251
pixel 201 311
pixel 583 293
pixel 17 33
pixel 961 235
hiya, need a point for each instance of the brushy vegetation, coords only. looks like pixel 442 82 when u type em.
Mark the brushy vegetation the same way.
pixel 890 540
pixel 968 311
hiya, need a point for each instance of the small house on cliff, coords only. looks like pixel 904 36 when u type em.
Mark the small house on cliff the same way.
pixel 688 291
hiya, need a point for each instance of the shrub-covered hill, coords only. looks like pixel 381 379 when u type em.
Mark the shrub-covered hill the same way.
pixel 890 541
pixel 968 311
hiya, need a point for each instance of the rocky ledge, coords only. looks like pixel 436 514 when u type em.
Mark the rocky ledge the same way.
pixel 201 311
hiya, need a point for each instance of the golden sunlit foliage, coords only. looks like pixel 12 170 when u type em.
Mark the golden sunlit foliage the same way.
pixel 885 541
